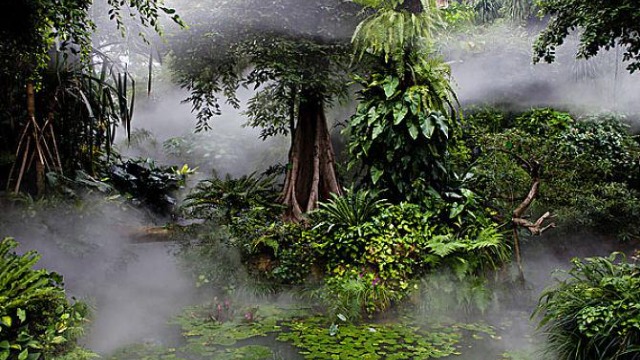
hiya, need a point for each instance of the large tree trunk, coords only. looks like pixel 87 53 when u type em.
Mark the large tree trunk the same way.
pixel 311 175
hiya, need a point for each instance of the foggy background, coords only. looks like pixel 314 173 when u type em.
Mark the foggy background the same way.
pixel 135 288
pixel 496 67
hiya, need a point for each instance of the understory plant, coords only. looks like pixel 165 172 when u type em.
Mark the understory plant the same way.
pixel 376 263
pixel 148 182
pixel 401 129
pixel 595 312
pixel 36 319
pixel 243 218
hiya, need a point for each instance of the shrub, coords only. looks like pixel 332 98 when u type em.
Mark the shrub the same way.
pixel 544 122
pixel 602 148
pixel 36 319
pixel 246 222
pixel 595 312
pixel 401 129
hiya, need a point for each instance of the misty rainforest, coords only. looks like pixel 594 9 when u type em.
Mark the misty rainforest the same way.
pixel 320 179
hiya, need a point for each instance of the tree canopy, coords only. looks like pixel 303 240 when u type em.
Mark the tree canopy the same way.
pixel 296 58
pixel 603 25
pixel 276 48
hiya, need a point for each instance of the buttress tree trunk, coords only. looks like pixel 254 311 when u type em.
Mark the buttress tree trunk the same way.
pixel 311 173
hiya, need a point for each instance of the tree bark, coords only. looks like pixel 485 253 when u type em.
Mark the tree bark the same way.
pixel 311 174
pixel 518 220
pixel 413 6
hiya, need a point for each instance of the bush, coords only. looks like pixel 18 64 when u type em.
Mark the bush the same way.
pixel 36 319
pixel 226 199
pixel 245 218
pixel 595 313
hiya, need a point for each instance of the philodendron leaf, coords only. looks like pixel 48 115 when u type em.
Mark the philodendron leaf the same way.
pixel 427 127
pixel 442 123
pixel 390 86
pixel 413 131
pixel 377 130
pixel 376 174
pixel 400 110
pixel 6 321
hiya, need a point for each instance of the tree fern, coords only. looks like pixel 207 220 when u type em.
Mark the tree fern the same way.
pixel 351 209
pixel 392 32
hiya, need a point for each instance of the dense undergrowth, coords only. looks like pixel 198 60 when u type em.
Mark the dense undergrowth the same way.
pixel 362 255
pixel 590 168
pixel 37 321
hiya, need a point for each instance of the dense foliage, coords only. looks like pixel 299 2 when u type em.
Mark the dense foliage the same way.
pixel 61 99
pixel 589 166
pixel 36 319
pixel 431 205
pixel 374 264
pixel 401 129
pixel 146 182
pixel 595 312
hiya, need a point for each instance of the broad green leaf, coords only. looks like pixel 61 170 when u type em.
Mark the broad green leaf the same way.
pixel 6 320
pixel 399 113
pixel 442 123
pixel 390 86
pixel 377 130
pixel 376 174
pixel 427 127
pixel 22 315
pixel 58 340
pixel 456 210
pixel 413 130
pixel 23 354
pixel 372 115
